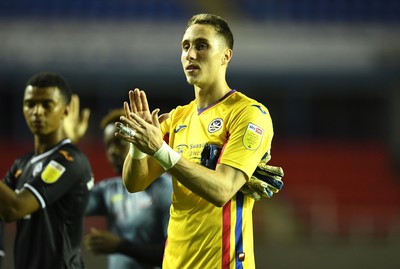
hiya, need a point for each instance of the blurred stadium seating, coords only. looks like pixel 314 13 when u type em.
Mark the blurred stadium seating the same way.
pixel 312 11
pixel 95 9
pixel 342 189
pixel 324 11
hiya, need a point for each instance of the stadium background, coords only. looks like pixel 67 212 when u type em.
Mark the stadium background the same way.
pixel 328 70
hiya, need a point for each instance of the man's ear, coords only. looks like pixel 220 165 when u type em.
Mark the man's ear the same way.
pixel 227 56
pixel 67 109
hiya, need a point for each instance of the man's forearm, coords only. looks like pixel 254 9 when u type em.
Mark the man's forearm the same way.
pixel 137 175
pixel 216 186
pixel 6 196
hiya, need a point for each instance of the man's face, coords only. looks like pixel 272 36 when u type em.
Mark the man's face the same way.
pixel 116 148
pixel 203 54
pixel 44 109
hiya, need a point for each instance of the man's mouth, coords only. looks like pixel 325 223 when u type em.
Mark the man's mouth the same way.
pixel 191 68
pixel 37 123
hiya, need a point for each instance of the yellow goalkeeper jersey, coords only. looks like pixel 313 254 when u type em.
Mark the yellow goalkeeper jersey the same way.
pixel 201 235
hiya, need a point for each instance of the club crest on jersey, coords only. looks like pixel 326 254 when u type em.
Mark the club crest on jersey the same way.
pixel 252 136
pixel 52 172
pixel 215 125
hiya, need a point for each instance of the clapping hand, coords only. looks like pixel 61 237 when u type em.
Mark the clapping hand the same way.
pixel 76 122
pixel 101 242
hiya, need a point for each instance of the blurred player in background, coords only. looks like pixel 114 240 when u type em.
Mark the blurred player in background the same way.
pixel 137 222
pixel 46 191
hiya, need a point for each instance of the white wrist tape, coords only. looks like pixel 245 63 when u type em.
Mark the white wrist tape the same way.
pixel 135 153
pixel 166 156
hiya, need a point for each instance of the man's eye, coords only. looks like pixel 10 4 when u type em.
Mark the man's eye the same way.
pixel 185 47
pixel 47 104
pixel 202 46
pixel 28 104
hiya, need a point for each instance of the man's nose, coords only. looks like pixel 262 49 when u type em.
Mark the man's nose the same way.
pixel 190 54
pixel 38 109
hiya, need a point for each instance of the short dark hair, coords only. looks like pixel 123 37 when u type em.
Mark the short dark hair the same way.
pixel 48 79
pixel 111 117
pixel 218 23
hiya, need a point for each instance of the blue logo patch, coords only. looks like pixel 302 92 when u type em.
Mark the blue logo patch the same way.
pixel 259 107
pixel 180 127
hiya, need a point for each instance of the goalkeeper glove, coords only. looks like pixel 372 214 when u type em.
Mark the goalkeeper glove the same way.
pixel 264 182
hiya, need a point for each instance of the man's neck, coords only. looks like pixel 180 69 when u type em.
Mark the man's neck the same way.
pixel 210 95
pixel 43 144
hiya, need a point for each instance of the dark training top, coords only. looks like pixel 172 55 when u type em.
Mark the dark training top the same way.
pixel 60 179
pixel 140 218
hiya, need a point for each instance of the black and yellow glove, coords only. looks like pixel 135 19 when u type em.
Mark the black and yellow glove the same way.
pixel 264 182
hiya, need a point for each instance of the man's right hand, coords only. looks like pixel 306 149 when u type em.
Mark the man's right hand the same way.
pixel 101 242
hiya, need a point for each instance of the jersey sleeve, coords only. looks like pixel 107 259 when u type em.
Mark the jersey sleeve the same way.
pixel 96 203
pixel 250 137
pixel 10 179
pixel 166 125
pixel 59 175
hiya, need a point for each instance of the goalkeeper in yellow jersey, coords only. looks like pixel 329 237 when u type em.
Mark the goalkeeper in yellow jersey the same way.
pixel 210 218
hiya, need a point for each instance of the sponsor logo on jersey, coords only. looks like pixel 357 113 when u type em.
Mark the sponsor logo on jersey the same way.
pixel 52 172
pixel 180 127
pixel 252 136
pixel 117 198
pixel 215 125
pixel 145 203
pixel 181 148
